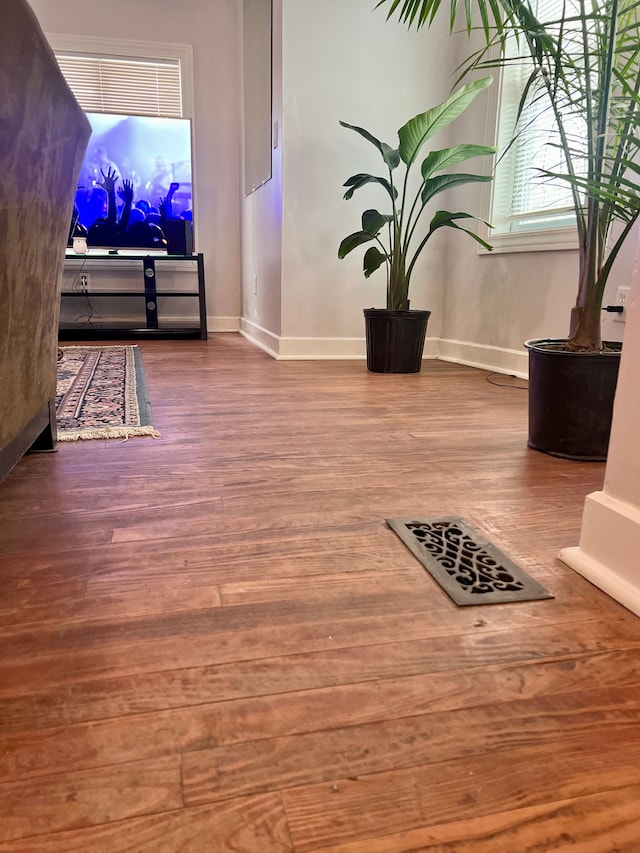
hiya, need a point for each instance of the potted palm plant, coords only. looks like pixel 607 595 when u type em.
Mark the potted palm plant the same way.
pixel 584 66
pixel 395 335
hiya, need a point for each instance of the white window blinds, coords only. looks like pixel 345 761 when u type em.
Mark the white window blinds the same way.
pixel 123 85
pixel 523 199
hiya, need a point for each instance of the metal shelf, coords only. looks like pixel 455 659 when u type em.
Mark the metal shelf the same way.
pixel 150 294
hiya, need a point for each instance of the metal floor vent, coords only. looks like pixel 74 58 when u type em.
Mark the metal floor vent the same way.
pixel 466 565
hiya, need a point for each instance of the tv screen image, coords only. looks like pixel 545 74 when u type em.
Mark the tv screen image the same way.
pixel 151 196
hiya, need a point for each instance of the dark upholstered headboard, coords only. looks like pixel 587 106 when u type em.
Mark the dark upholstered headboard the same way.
pixel 43 136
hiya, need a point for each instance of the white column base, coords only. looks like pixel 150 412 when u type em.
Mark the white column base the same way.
pixel 609 550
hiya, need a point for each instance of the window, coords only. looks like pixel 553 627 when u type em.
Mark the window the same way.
pixel 126 76
pixel 120 85
pixel 525 202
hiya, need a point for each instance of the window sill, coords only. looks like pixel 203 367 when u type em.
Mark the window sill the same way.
pixel 552 240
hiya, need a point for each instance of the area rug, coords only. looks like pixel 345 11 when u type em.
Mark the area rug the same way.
pixel 102 393
pixel 469 568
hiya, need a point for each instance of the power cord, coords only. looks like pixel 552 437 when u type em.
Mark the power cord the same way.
pixel 78 289
pixel 491 381
pixel 91 314
pixel 75 280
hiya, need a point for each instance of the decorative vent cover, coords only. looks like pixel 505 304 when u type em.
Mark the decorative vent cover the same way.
pixel 466 565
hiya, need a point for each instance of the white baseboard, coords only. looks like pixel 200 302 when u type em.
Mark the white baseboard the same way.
pixel 259 337
pixel 223 324
pixel 301 349
pixel 483 356
pixel 499 359
pixel 334 349
pixel 609 548
pixel 314 349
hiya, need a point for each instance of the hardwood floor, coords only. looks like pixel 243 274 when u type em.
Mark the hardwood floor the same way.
pixel 212 642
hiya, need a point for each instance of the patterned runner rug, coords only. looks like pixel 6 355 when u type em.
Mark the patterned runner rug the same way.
pixel 102 393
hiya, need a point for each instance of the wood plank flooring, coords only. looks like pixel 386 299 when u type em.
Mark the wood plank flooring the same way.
pixel 211 642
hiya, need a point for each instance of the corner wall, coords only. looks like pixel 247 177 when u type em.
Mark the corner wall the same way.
pixel 338 61
pixel 262 226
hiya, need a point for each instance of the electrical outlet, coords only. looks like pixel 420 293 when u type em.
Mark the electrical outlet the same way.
pixel 84 282
pixel 622 295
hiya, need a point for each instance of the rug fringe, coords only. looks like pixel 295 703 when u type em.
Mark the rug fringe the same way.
pixel 125 433
pixel 86 379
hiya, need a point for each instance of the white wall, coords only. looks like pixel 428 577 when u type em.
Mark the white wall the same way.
pixel 344 61
pixel 211 26
pixel 339 61
pixel 262 227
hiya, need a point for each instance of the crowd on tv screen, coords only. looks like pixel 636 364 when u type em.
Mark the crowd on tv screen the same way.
pixel 112 210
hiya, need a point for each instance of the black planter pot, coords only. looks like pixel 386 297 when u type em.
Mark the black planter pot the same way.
pixel 571 400
pixel 395 340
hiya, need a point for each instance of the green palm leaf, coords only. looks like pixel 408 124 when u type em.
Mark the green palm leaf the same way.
pixel 440 183
pixel 355 182
pixel 420 12
pixel 373 222
pixel 421 128
pixel 373 260
pixel 389 155
pixel 443 218
pixel 353 241
pixel 438 161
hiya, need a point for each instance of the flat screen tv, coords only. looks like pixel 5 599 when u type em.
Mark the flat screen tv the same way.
pixel 150 158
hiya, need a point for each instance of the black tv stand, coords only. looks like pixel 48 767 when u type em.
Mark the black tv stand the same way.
pixel 150 292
